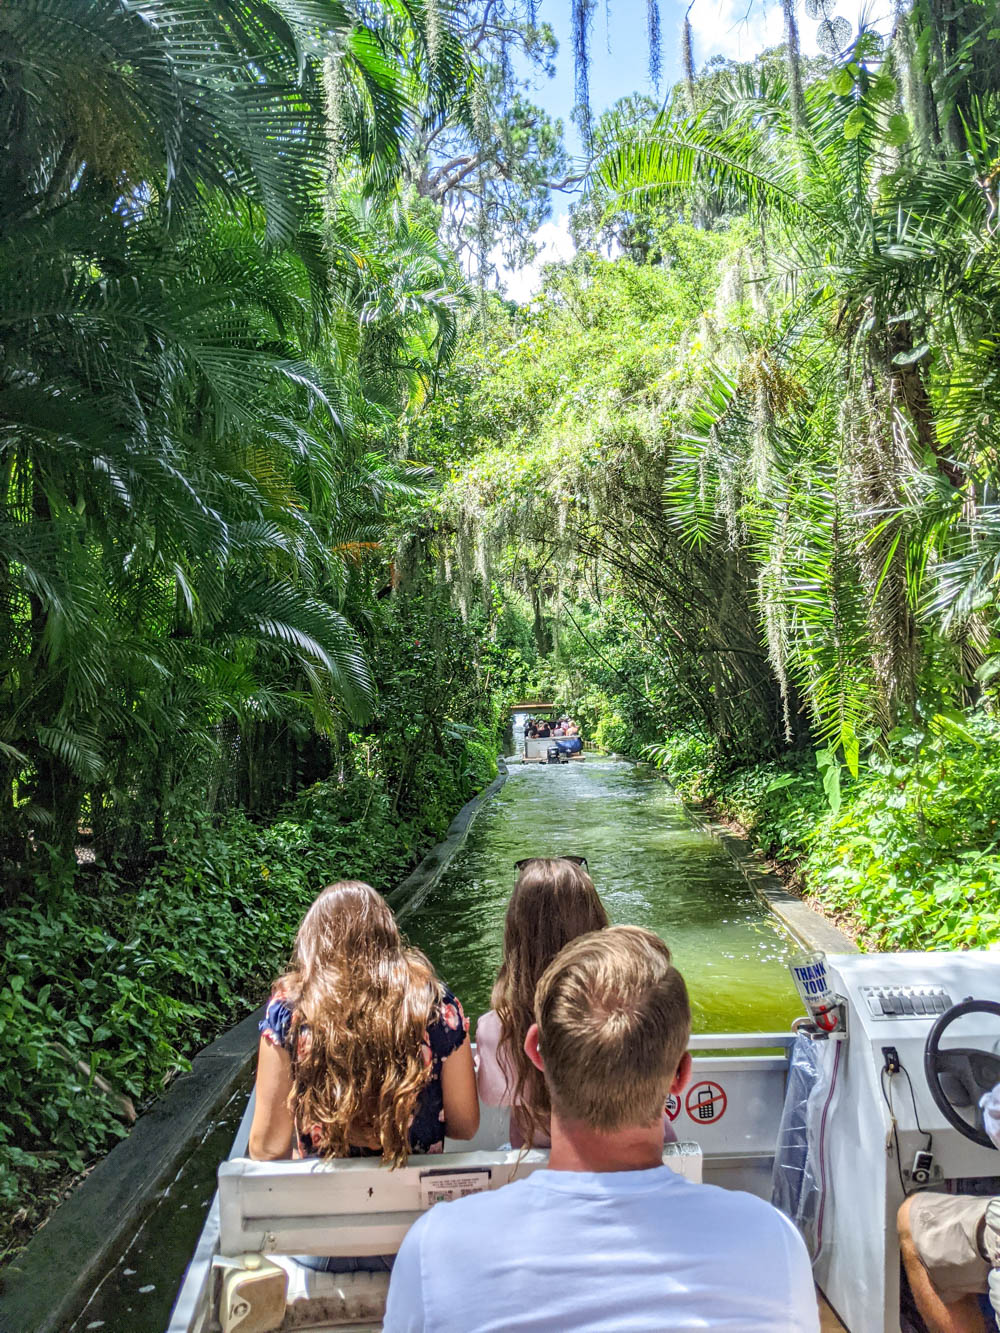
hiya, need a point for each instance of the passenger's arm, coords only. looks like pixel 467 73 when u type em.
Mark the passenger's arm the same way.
pixel 458 1089
pixel 272 1133
pixel 491 1080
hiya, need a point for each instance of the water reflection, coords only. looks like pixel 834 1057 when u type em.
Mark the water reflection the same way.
pixel 136 1296
pixel 651 866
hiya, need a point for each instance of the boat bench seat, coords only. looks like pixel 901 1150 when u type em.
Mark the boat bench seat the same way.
pixel 350 1207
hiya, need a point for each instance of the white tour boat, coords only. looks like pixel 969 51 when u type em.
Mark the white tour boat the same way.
pixel 552 749
pixel 833 1125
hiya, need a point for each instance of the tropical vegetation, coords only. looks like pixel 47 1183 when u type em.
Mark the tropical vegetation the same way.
pixel 294 503
pixel 741 477
pixel 218 686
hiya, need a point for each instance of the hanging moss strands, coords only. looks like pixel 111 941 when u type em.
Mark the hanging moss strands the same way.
pixel 583 17
pixel 794 62
pixel 655 39
pixel 433 21
pixel 334 92
pixel 687 59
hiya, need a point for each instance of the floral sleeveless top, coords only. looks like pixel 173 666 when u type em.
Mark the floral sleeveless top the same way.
pixel 445 1033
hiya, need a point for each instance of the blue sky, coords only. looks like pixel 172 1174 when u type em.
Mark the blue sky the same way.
pixel 619 50
pixel 620 65
pixel 613 73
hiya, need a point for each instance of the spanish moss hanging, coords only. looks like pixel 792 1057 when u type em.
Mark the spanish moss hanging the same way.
pixel 335 92
pixel 433 32
pixel 583 17
pixel 796 101
pixel 687 59
pixel 655 42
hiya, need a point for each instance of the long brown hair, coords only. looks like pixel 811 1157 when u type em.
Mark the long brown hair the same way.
pixel 361 1002
pixel 553 902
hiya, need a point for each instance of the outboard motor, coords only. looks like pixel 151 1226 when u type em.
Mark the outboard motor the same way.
pixel 552 754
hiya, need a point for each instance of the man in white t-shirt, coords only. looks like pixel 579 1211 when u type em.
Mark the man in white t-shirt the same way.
pixel 608 1237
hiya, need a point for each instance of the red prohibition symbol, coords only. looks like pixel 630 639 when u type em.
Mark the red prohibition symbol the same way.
pixel 672 1106
pixel 706 1102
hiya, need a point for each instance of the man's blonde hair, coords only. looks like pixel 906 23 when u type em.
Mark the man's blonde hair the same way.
pixel 613 1023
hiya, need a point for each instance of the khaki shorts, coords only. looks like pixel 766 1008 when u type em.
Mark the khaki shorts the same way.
pixel 957 1237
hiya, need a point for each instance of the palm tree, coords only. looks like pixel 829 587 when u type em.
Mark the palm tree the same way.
pixel 179 403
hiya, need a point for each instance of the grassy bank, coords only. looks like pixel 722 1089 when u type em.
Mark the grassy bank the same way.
pixel 908 851
pixel 108 986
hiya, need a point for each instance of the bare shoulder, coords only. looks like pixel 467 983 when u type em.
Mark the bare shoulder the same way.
pixel 488 1028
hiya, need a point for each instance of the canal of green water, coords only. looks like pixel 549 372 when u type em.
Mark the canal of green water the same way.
pixel 652 867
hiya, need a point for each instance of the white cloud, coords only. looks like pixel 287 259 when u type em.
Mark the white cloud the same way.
pixel 740 29
pixel 553 242
pixel 735 29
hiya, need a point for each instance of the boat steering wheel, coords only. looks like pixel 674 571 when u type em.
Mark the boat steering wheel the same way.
pixel 958 1077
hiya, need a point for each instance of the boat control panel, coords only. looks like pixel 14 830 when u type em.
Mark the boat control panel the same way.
pixel 883 1135
pixel 905 1001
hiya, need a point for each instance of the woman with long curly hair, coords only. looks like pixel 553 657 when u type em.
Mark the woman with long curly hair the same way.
pixel 363 1050
pixel 554 901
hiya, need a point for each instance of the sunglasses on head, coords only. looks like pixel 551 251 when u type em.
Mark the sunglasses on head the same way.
pixel 580 861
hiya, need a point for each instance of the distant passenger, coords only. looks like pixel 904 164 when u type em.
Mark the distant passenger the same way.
pixel 363 1051
pixel 532 729
pixel 572 729
pixel 543 729
pixel 554 901
pixel 607 1238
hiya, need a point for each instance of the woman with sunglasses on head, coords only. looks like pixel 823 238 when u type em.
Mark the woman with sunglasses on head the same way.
pixel 554 901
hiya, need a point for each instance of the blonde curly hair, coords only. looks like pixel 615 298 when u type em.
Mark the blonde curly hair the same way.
pixel 361 1003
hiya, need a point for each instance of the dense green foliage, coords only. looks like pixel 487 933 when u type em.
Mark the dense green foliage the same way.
pixel 219 688
pixel 288 516
pixel 742 478
pixel 909 851
pixel 213 315
pixel 119 983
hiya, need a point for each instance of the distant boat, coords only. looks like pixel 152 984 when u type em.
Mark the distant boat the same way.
pixel 552 749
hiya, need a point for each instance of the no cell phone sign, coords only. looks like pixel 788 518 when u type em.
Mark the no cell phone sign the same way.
pixel 706 1102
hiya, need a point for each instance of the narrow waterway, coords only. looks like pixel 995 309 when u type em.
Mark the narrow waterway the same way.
pixel 652 867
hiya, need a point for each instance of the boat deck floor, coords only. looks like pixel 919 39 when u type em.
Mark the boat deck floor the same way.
pixel 828 1322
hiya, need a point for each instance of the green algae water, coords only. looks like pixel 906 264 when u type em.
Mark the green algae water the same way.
pixel 652 868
